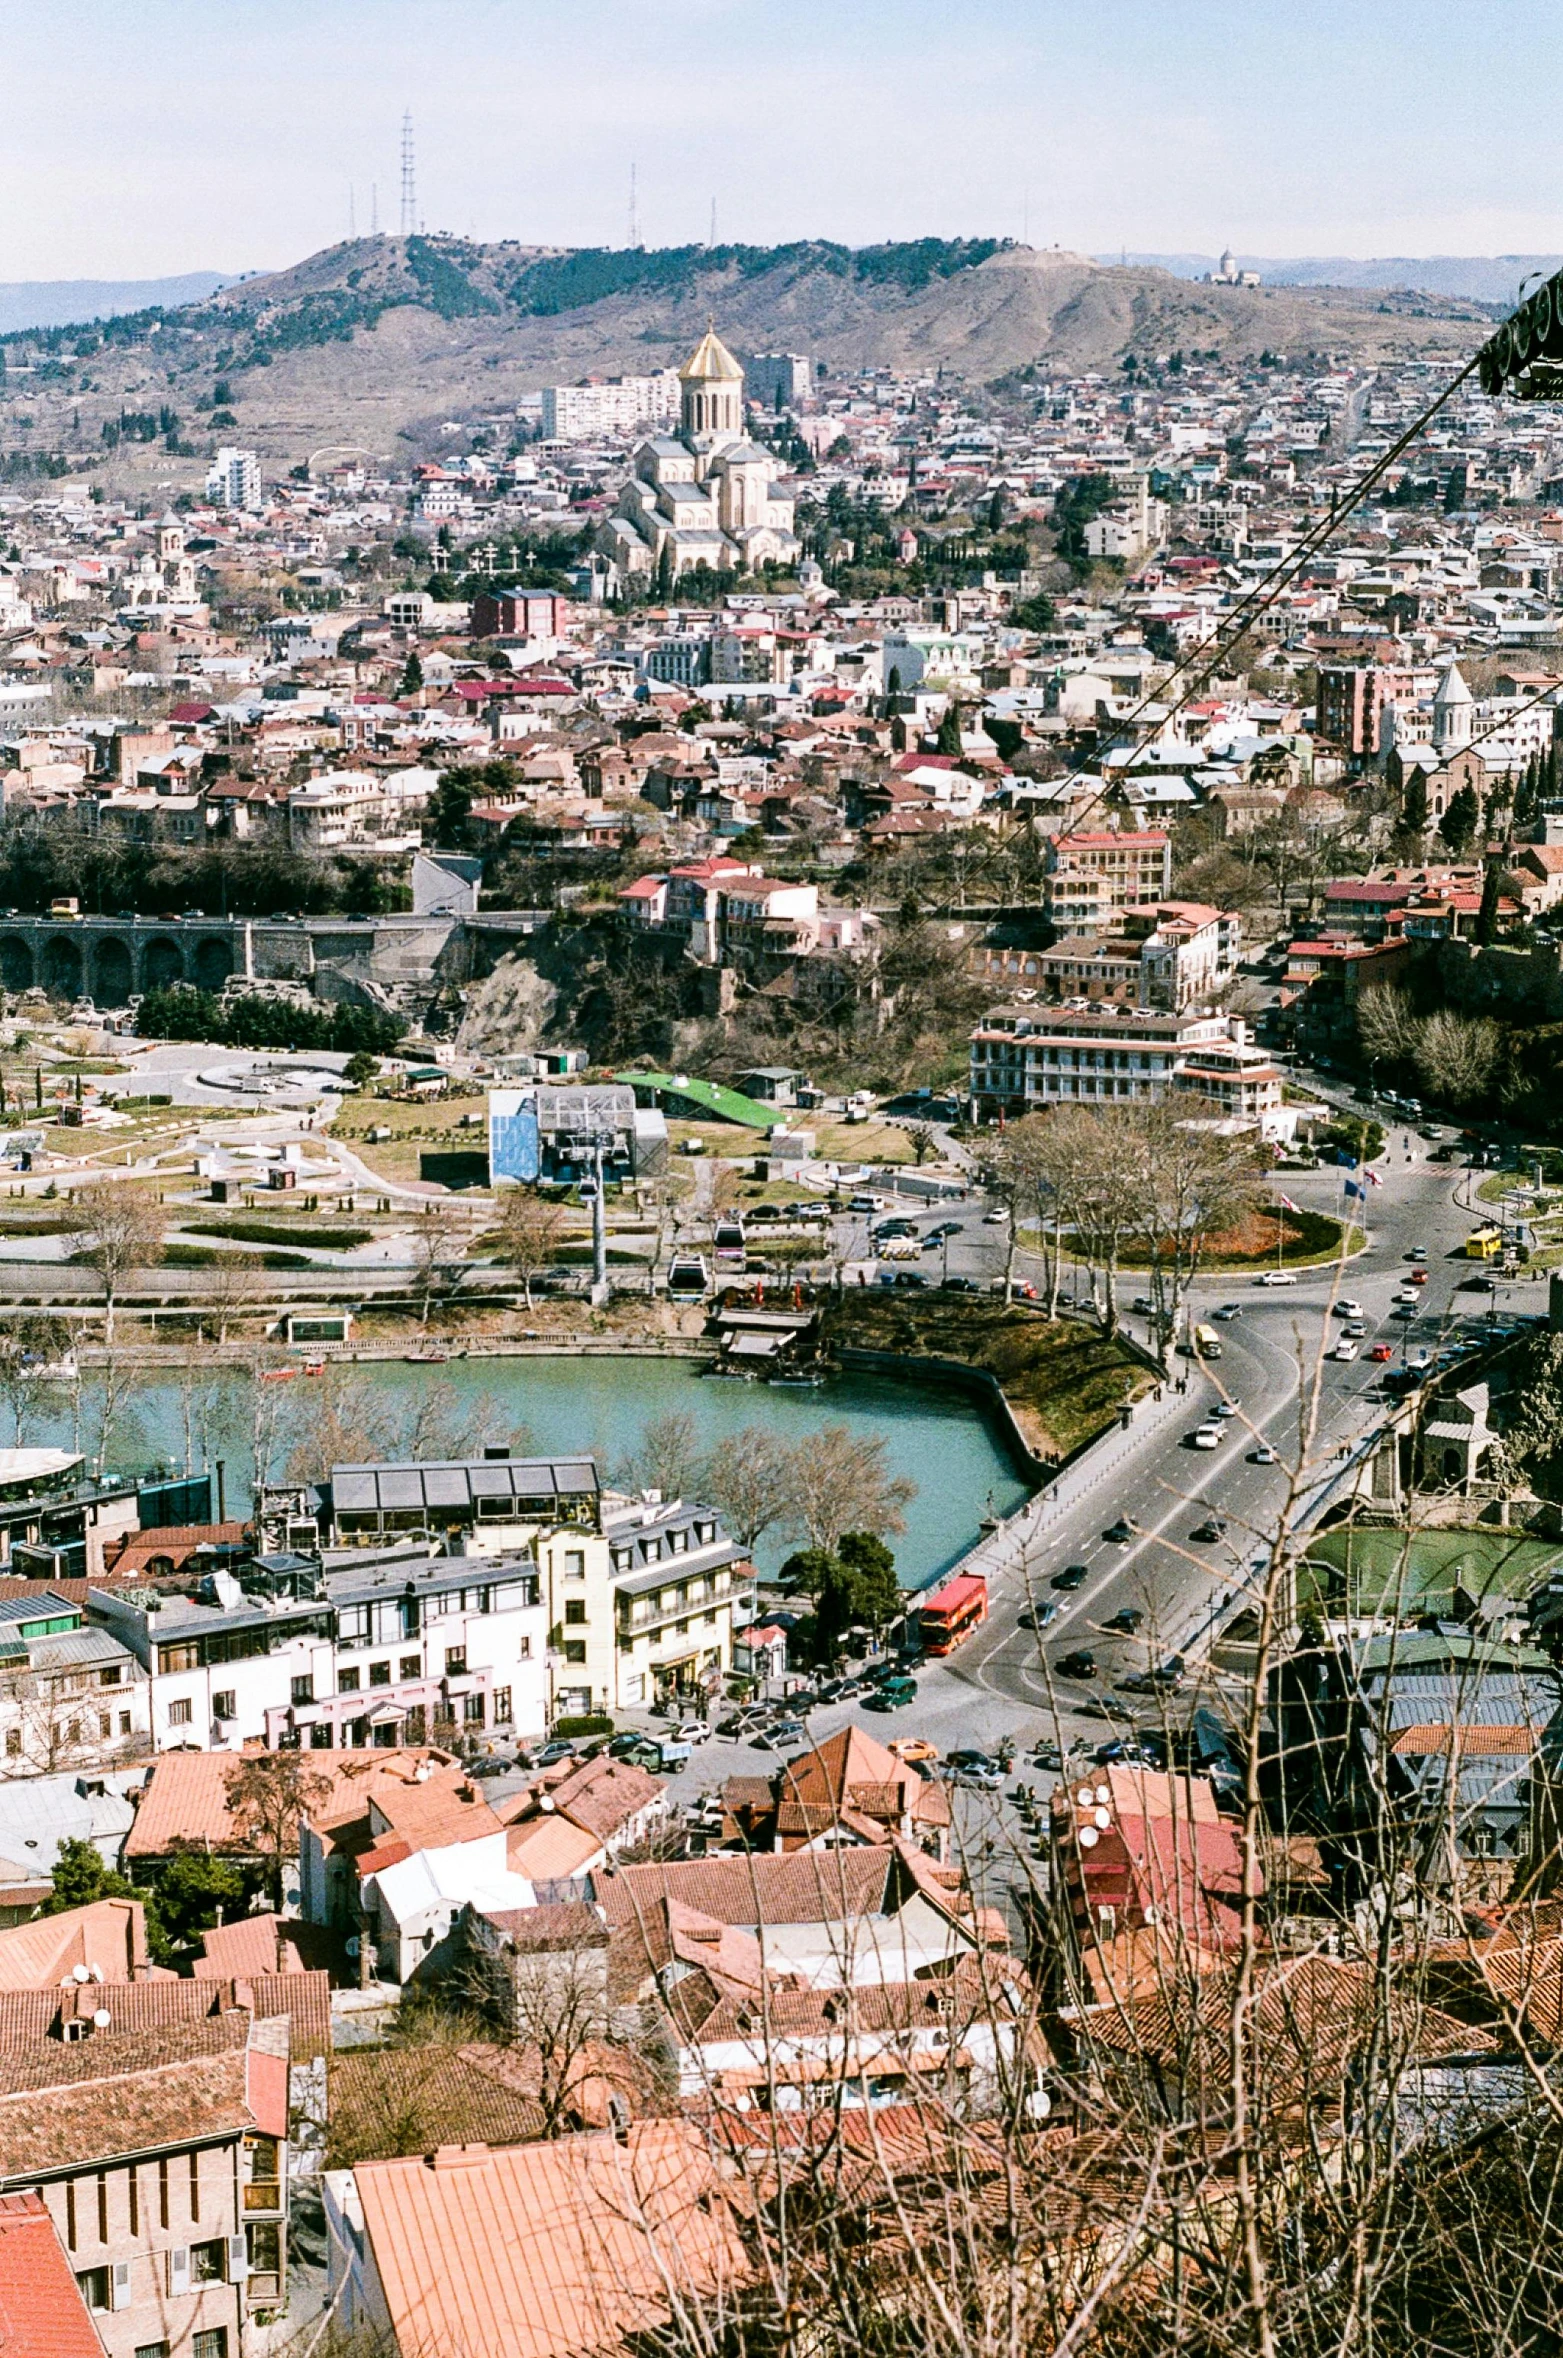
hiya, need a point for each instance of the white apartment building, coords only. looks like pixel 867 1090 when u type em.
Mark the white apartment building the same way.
pixel 1027 1056
pixel 70 1696
pixel 234 480
pixel 351 810
pixel 640 1598
pixel 610 409
pixel 399 1649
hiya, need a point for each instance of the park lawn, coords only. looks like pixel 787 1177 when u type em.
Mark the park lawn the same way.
pixel 415 1128
pixel 1064 1382
pixel 860 1142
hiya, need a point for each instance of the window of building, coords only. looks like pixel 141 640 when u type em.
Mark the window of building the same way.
pixel 105 1723
pixel 455 1661
pixel 574 1563
pixel 502 1710
pixel 151 2350
pixel 302 1690
pixel 124 1723
pixel 179 1713
pixel 472 1710
pixel 110 1677
pixel 348 1681
pixel 13 1742
pixel 207 2261
pixel 265 2251
pixel 411 1666
pixel 524 1650
pixel 95 2287
pixel 379 1674
pixel 213 2343
pixel 320 1736
pixel 225 1703
pixel 186 1657
pixel 575 1612
pixel 575 1650
pixel 195 2185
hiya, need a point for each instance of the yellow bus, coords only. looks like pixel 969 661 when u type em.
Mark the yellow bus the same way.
pixel 1207 1343
pixel 1482 1243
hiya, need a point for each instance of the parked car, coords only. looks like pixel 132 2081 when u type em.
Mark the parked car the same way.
pixel 1073 1576
pixel 959 1285
pixel 891 1694
pixel 912 1748
pixel 559 1748
pixel 1205 1437
pixel 1036 1616
pixel 1228 1311
pixel 1079 1664
pixel 1212 1528
pixel 1264 1455
pixel 691 1731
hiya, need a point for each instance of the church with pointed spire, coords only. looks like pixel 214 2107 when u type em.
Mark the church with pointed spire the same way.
pixel 706 495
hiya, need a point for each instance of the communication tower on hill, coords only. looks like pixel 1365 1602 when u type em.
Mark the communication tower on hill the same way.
pixel 409 181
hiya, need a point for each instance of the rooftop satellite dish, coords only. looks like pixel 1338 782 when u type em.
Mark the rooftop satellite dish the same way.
pixel 81 1973
pixel 102 2018
pixel 1086 1797
pixel 1104 1818
pixel 1104 1792
pixel 1089 1838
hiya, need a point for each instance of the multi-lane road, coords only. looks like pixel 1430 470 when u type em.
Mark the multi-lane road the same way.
pixel 1273 1364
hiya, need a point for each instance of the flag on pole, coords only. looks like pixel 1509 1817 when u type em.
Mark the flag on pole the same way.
pixel 1374 1180
pixel 1354 1187
pixel 1342 1156
pixel 1287 1204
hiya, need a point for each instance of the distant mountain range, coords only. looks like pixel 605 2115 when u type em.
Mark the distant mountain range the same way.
pixel 60 302
pixel 396 344
pixel 1478 278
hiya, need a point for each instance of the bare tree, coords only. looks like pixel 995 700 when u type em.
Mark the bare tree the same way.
pixel 31 1353
pixel 269 1794
pixel 124 1226
pixel 841 1483
pixel 751 1479
pixel 434 1254
pixel 229 1287
pixel 667 1457
pixel 530 1231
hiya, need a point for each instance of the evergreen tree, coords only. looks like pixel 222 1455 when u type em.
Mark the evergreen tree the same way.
pixel 1487 916
pixel 1528 794
pixel 950 730
pixel 1460 821
pixel 1413 803
pixel 412 676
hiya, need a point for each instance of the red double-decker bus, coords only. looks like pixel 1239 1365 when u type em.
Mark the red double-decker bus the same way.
pixel 949 1616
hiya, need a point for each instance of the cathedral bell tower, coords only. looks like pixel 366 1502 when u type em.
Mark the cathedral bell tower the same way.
pixel 713 392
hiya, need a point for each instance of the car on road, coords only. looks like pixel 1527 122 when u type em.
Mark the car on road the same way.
pixel 1382 1352
pixel 898 1227
pixel 779 1735
pixel 1264 1455
pixel 1205 1437
pixel 1212 1528
pixel 691 1731
pixel 561 1748
pixel 912 1748
pixel 1223 1409
pixel 1036 1616
pixel 1406 1293
pixel 1073 1576
pixel 958 1285
pixel 1143 1305
pixel 1120 1533
pixel 1228 1311
pixel 1126 1620
pixel 1404 1310
pixel 891 1694
pixel 980 1767
pixel 1277 1277
pixel 945 1228
pixel 1080 1664
pixel 1417 1253
pixel 910 1277
pixel 1419 1277
pixel 1346 1348
pixel 1348 1309
pixel 1355 1331
pixel 1107 1707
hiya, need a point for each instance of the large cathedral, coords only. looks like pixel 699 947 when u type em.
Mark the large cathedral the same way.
pixel 706 495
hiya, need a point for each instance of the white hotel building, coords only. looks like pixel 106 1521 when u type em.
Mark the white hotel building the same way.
pixel 1028 1056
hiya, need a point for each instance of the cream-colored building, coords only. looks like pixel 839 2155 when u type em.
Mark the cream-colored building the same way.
pixel 705 495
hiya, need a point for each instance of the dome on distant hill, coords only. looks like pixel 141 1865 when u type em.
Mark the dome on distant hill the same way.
pixel 711 362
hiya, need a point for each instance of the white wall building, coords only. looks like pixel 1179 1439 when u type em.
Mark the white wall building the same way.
pixel 234 480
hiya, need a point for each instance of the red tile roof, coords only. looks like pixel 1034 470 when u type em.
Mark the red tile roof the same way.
pixel 42 2313
pixel 548 2250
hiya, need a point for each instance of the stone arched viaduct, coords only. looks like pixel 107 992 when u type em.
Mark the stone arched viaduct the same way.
pixel 108 959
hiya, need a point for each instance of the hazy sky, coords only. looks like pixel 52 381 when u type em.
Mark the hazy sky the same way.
pixel 149 136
